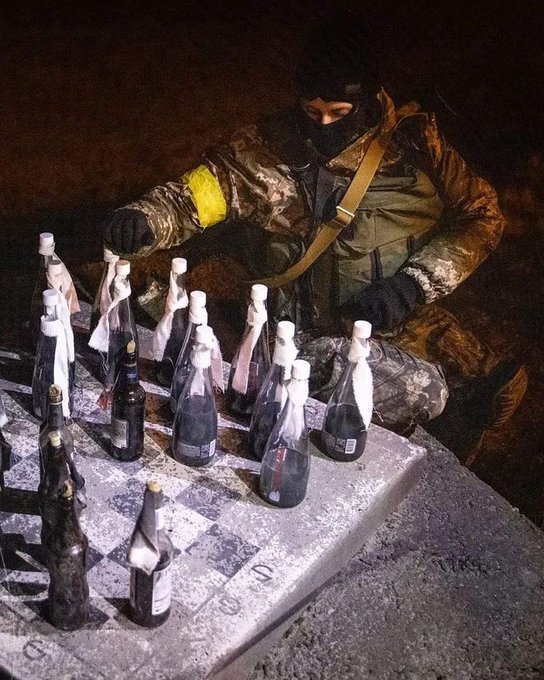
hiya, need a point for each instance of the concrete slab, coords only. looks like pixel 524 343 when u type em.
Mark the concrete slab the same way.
pixel 451 586
pixel 242 568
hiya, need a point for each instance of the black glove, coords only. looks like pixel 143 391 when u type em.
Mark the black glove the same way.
pixel 127 231
pixel 386 304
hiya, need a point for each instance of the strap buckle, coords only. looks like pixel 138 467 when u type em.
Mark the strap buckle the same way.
pixel 343 216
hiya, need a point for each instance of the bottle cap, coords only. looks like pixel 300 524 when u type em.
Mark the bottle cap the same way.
pixel 203 335
pixel 285 330
pixel 50 297
pixel 259 292
pixel 109 256
pixel 179 265
pixel 55 394
pixel 51 327
pixel 197 298
pixel 54 267
pixel 54 438
pixel 131 347
pixel 153 486
pixel 300 370
pixel 362 329
pixel 46 239
pixel 122 268
pixel 67 489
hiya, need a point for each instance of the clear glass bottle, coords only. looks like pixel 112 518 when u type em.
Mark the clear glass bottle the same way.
pixel 285 466
pixel 115 328
pixel 194 432
pixel 273 394
pixel 128 411
pixel 46 252
pixel 170 331
pixel 103 296
pixel 197 316
pixel 55 422
pixel 349 409
pixel 64 544
pixel 51 367
pixel 150 557
pixel 252 358
pixel 55 273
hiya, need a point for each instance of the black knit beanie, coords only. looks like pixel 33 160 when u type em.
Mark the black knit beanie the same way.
pixel 336 63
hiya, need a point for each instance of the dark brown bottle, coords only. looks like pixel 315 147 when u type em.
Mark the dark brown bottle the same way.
pixel 128 411
pixel 65 548
pixel 55 422
pixel 150 586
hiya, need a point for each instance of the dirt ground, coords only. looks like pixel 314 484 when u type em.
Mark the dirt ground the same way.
pixel 98 105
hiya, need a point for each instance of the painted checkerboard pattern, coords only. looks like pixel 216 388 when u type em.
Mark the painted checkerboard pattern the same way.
pixel 238 562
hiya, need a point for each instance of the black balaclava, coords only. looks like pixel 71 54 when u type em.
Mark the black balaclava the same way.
pixel 336 65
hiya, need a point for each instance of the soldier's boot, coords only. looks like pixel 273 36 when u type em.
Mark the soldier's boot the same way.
pixel 483 406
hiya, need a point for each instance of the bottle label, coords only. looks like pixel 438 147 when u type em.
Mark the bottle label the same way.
pixel 346 446
pixel 119 433
pixel 162 590
pixel 159 519
pixel 205 451
pixel 131 374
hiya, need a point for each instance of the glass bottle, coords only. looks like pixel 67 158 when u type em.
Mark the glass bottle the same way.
pixel 252 358
pixel 194 431
pixel 5 447
pixel 65 546
pixel 273 393
pixel 150 557
pixel 55 275
pixel 51 367
pixel 170 331
pixel 286 461
pixel 46 251
pixel 349 409
pixel 55 422
pixel 103 297
pixel 197 316
pixel 115 328
pixel 128 410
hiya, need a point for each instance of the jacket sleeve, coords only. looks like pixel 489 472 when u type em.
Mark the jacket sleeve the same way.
pixel 471 225
pixel 241 180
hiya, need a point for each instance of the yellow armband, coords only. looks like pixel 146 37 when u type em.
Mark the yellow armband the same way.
pixel 207 196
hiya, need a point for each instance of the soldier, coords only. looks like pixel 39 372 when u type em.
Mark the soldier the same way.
pixel 424 224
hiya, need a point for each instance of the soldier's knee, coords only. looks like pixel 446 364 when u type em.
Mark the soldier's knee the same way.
pixel 438 393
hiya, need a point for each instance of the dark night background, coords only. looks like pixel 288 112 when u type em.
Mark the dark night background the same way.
pixel 99 103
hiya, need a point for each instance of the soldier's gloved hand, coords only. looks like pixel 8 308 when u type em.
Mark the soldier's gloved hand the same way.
pixel 127 231
pixel 386 304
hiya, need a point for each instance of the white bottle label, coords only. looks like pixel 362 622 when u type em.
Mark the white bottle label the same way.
pixel 190 451
pixel 346 446
pixel 119 433
pixel 159 519
pixel 162 590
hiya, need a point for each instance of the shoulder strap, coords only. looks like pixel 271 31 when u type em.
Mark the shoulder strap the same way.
pixel 345 212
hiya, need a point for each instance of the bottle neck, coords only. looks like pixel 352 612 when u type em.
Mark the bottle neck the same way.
pixel 180 283
pixel 131 373
pixel 55 416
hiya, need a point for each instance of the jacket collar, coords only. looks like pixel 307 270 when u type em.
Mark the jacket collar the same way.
pixel 350 158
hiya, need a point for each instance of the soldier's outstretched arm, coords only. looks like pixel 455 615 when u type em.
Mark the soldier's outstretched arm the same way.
pixel 240 180
pixel 167 215
pixel 472 224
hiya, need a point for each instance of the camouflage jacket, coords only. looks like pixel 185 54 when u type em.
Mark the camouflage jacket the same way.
pixel 247 180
